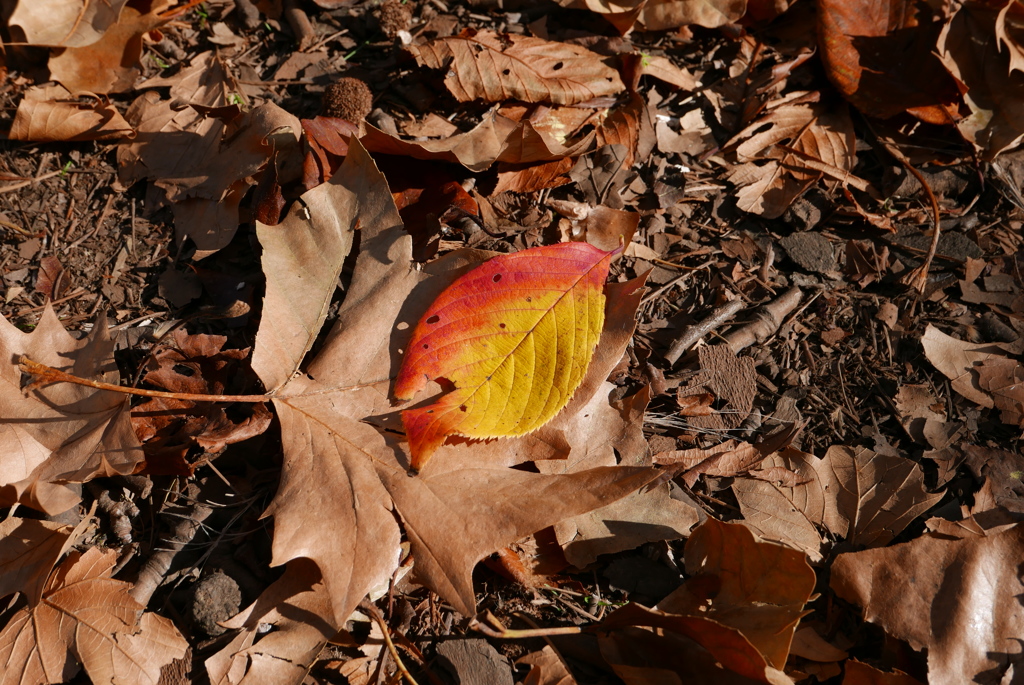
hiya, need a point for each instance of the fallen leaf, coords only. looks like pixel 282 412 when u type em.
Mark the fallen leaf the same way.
pixel 170 428
pixel 546 668
pixel 1003 469
pixel 466 503
pixel 970 50
pixel 59 23
pixel 202 163
pixel 297 607
pixel 29 549
pixel 792 145
pixel 514 336
pixel 495 139
pixel 695 647
pixel 858 673
pixel 1003 379
pixel 658 15
pixel 755 587
pixel 880 54
pixel 957 597
pixel 630 125
pixel 959 361
pixel 61 433
pixel 729 458
pixel 496 67
pixel 49 114
pixel 854 493
pixel 87 616
pixel 663 69
pixel 110 64
pixel 303 257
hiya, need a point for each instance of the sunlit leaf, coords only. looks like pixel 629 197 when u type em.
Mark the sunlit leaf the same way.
pixel 514 336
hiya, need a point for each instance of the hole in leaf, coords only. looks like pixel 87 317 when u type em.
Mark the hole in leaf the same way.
pixel 558 65
pixel 463 408
pixel 506 72
pixel 496 277
pixel 501 325
pixel 434 319
pixel 529 299
pixel 426 346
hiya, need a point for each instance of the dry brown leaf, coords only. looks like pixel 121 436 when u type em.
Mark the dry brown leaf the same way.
pixel 632 126
pixel 61 433
pixel 960 362
pixel 48 114
pixel 29 549
pixel 203 164
pixel 1003 379
pixel 546 668
pixel 496 67
pixel 658 15
pixel 495 139
pixel 533 177
pixel 732 621
pixel 858 673
pixel 65 23
pixel 856 494
pixel 789 147
pixel 880 54
pixel 969 48
pixel 755 587
pixel 110 64
pixel 342 463
pixel 1009 32
pixel 699 648
pixel 1003 470
pixel 957 597
pixel 768 512
pixel 87 616
pixel 647 515
pixel 725 459
pixel 171 428
pixel 302 258
pixel 298 608
pixel 663 69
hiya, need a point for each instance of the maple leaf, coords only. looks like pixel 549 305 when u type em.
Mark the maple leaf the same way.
pixel 515 337
pixel 86 614
pixel 466 502
pixel 61 433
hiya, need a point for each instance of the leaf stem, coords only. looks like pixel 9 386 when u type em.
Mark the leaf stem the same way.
pixel 47 374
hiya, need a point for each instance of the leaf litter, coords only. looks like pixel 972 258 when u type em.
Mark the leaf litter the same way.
pixel 764 384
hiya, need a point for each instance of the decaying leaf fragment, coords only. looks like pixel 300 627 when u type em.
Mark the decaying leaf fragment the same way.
pixel 49 114
pixel 514 336
pixel 496 67
pixel 86 616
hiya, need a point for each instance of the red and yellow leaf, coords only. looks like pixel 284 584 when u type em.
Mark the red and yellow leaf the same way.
pixel 514 337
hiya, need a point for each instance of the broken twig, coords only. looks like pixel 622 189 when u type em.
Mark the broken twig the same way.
pixel 698 331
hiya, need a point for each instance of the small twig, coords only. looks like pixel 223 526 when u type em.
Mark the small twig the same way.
pixel 768 320
pixel 158 565
pixel 23 184
pixel 698 331
pixel 375 614
pixel 501 632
